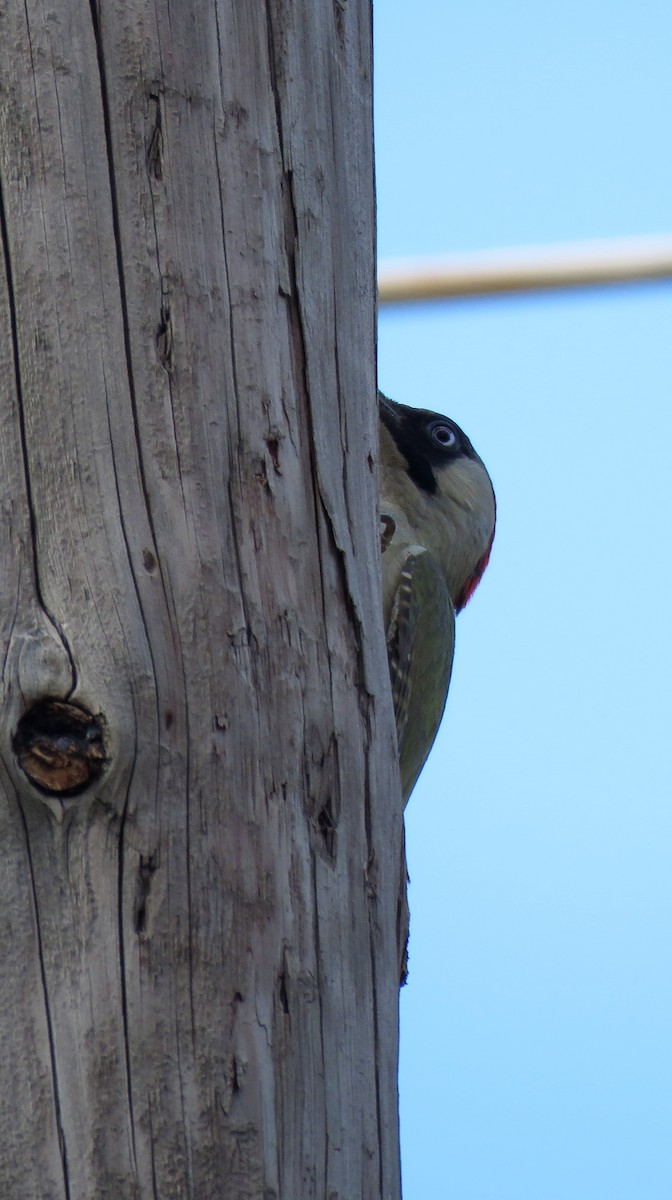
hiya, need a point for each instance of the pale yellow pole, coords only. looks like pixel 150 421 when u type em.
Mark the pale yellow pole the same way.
pixel 526 269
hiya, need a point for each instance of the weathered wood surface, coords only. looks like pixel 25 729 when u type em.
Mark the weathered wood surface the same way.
pixel 198 995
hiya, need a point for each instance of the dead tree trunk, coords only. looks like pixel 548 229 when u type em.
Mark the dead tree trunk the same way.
pixel 199 870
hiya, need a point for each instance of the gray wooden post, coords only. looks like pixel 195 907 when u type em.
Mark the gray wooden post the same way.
pixel 200 816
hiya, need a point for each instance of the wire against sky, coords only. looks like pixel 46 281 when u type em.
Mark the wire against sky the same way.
pixel 526 269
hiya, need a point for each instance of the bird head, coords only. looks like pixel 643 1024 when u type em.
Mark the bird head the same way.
pixel 437 485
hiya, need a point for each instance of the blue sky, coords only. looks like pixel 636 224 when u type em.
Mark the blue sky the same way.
pixel 536 1055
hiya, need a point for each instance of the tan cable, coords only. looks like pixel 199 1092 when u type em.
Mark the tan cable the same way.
pixel 526 269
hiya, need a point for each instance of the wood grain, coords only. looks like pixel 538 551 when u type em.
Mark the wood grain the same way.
pixel 201 997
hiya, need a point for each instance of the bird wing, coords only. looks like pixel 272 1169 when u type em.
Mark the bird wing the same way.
pixel 420 644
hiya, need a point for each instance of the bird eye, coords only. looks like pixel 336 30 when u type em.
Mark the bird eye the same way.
pixel 442 435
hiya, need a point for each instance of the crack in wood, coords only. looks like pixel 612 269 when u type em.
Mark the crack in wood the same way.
pixel 143 884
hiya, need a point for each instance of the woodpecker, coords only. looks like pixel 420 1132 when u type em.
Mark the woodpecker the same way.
pixel 437 523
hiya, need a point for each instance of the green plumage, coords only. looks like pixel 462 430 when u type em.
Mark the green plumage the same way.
pixel 420 643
